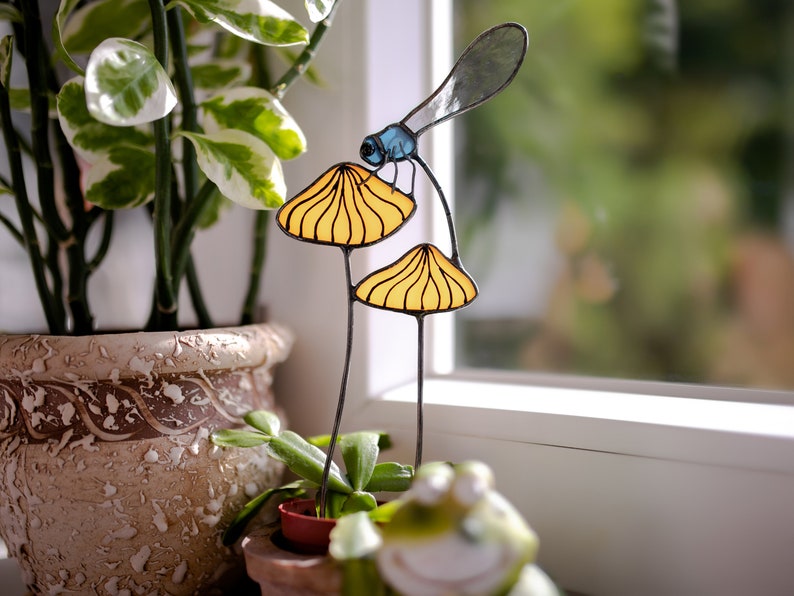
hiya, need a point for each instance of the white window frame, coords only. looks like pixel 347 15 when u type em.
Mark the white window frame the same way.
pixel 633 487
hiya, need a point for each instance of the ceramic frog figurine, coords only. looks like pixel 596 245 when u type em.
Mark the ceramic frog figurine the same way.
pixel 455 534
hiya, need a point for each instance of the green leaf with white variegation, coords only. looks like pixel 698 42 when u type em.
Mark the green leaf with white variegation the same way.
pixel 20 101
pixel 259 21
pixel 244 168
pixel 318 9
pixel 9 13
pixel 212 212
pixel 220 74
pixel 89 137
pixel 257 112
pixel 6 53
pixel 122 179
pixel 125 85
pixel 65 8
pixel 80 31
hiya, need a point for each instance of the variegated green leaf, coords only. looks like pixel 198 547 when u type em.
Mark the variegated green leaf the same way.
pixel 244 168
pixel 257 112
pixel 9 13
pixel 260 21
pixel 6 52
pixel 89 137
pixel 80 31
pixel 125 85
pixel 319 9
pixel 211 214
pixel 65 8
pixel 122 179
pixel 220 74
pixel 20 101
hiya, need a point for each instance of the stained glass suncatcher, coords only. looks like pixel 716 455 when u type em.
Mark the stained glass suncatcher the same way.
pixel 350 206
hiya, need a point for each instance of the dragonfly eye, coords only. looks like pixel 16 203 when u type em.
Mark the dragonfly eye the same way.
pixel 370 152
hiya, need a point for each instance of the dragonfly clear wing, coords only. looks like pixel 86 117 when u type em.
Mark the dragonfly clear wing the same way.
pixel 486 67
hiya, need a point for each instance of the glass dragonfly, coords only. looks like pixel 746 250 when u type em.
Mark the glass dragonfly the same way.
pixel 350 206
pixel 485 68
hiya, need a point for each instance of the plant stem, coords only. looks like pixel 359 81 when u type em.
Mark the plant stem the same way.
pixel 15 233
pixel 196 297
pixel 165 291
pixel 184 81
pixel 104 245
pixel 185 230
pixel 305 58
pixel 31 240
pixel 261 223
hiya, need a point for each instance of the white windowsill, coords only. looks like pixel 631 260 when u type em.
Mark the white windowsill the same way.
pixel 706 431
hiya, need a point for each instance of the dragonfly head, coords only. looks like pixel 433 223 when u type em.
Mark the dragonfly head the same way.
pixel 372 151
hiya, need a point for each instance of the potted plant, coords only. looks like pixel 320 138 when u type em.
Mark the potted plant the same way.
pixel 170 108
pixel 452 533
pixel 278 556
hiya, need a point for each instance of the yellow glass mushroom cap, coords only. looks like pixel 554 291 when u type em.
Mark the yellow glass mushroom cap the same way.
pixel 347 206
pixel 422 281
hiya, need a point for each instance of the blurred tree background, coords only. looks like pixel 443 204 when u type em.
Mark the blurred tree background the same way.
pixel 653 141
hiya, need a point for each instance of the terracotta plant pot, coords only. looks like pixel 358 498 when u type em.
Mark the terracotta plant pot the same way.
pixel 108 481
pixel 279 571
pixel 303 531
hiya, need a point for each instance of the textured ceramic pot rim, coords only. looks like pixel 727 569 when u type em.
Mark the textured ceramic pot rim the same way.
pixel 33 356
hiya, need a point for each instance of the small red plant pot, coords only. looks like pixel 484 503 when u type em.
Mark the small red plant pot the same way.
pixel 302 529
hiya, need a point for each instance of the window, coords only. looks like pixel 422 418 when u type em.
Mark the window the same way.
pixel 626 204
pixel 634 488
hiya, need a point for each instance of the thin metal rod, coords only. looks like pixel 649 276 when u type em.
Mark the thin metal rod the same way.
pixel 447 211
pixel 340 405
pixel 420 383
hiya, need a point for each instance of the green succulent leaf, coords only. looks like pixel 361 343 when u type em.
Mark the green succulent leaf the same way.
pixel 334 502
pixel 89 137
pixel 122 179
pixel 384 440
pixel 306 460
pixel 360 452
pixel 125 85
pixel 318 9
pixel 80 31
pixel 230 437
pixel 249 511
pixel 219 74
pixel 257 112
pixel 243 167
pixel 262 420
pixel 359 501
pixel 390 477
pixel 259 21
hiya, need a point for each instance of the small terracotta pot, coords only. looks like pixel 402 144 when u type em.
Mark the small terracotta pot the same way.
pixel 302 529
pixel 281 572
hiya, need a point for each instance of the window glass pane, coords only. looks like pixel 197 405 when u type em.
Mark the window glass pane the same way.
pixel 625 206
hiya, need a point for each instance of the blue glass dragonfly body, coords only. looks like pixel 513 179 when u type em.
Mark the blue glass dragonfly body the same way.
pixel 485 68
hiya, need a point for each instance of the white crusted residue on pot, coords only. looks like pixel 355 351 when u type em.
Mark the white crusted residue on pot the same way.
pixel 141 513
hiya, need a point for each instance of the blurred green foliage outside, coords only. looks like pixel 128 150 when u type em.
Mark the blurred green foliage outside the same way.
pixel 660 136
